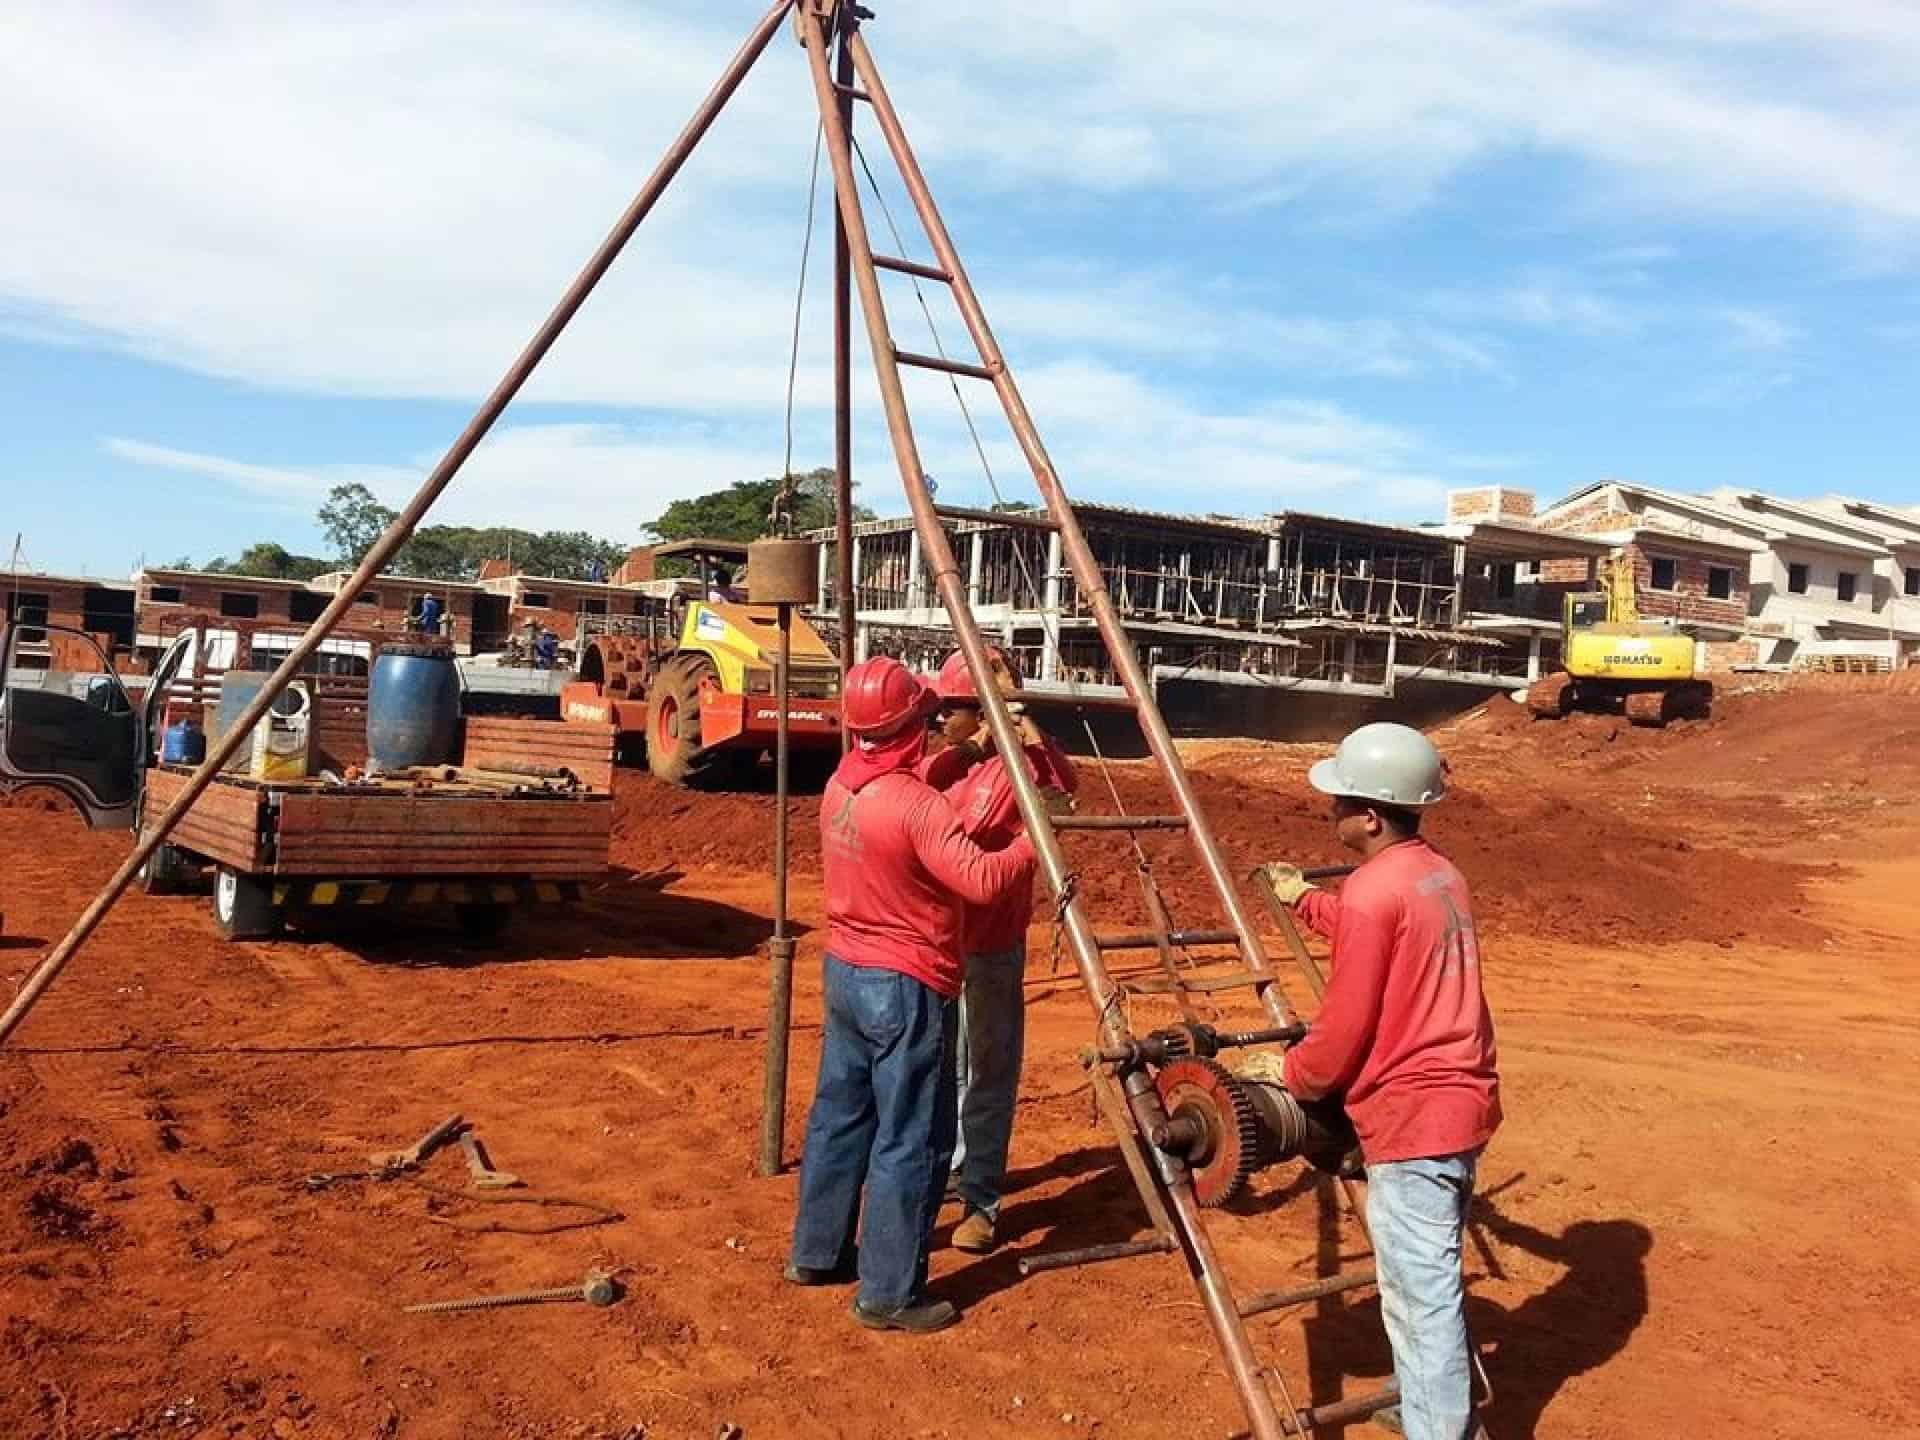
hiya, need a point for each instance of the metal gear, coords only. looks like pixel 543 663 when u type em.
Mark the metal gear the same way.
pixel 1228 1150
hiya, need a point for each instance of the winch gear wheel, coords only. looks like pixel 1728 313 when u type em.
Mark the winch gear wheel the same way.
pixel 1231 1154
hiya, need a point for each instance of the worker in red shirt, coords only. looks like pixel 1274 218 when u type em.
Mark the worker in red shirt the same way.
pixel 1404 1040
pixel 897 867
pixel 993 1004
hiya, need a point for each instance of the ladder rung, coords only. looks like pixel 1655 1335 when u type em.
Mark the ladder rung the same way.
pixel 1342 1411
pixel 1159 985
pixel 912 267
pixel 1265 1300
pixel 1180 939
pixel 936 362
pixel 1119 822
pixel 853 90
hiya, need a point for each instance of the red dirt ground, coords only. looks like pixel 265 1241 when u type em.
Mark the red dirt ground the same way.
pixel 1697 1219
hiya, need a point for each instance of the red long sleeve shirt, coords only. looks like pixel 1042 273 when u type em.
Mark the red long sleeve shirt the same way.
pixel 897 864
pixel 1403 1031
pixel 990 815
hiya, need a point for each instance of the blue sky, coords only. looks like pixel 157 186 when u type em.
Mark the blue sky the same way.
pixel 1242 257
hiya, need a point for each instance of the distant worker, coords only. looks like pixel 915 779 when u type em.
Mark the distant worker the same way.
pixel 720 586
pixel 993 1002
pixel 1405 1041
pixel 882 1119
pixel 546 650
pixel 429 614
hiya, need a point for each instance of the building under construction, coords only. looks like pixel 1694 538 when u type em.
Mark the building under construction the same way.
pixel 1229 614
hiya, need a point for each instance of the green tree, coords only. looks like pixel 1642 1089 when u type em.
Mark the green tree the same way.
pixel 272 561
pixel 352 519
pixel 740 512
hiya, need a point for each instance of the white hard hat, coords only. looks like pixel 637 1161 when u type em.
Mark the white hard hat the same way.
pixel 1393 764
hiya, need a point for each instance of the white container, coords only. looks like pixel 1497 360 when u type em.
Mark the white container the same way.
pixel 281 747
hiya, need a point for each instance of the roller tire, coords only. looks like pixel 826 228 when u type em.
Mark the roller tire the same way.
pixel 673 722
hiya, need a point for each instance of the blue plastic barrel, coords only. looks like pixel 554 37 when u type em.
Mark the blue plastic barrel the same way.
pixel 413 706
pixel 183 743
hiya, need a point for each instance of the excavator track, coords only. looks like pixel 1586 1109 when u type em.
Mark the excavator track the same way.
pixel 1551 698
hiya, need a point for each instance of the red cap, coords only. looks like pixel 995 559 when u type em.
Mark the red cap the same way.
pixel 882 695
pixel 955 681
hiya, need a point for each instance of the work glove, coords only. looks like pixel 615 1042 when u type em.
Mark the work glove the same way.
pixel 1285 881
pixel 1058 801
pixel 1023 725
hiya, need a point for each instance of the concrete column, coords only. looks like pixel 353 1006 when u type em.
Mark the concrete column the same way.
pixel 820 574
pixel 1393 651
pixel 1533 657
pixel 914 588
pixel 1459 579
pixel 1050 643
pixel 862 637
pixel 1272 567
pixel 1350 658
pixel 856 588
pixel 976 565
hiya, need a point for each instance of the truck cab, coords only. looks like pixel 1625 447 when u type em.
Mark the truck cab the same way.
pixel 86 739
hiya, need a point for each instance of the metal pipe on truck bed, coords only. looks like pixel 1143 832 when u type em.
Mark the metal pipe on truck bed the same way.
pixel 403 525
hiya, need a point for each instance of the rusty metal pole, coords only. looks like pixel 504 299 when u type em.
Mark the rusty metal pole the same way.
pixel 402 528
pixel 843 380
pixel 773 1096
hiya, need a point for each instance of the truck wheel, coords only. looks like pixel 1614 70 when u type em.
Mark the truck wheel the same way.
pixel 243 906
pixel 673 721
pixel 481 920
pixel 164 871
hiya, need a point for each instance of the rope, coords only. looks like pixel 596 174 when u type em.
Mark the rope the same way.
pixel 782 516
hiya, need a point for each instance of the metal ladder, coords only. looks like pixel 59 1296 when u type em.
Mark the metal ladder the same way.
pixel 1126 1095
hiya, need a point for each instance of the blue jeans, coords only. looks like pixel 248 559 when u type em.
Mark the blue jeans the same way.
pixel 883 1121
pixel 1416 1210
pixel 993 1038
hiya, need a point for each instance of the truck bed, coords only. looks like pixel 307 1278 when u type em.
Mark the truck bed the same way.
pixel 310 828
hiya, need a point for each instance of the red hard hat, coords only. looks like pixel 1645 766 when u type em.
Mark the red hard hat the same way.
pixel 881 696
pixel 955 681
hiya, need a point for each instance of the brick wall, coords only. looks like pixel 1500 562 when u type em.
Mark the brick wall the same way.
pixel 1688 601
pixel 1569 573
pixel 1490 502
pixel 1725 654
pixel 1593 516
pixel 636 567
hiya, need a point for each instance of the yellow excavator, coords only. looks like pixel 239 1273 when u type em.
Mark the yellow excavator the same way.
pixel 1612 660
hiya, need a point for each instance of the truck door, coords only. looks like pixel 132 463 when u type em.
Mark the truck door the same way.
pixel 82 737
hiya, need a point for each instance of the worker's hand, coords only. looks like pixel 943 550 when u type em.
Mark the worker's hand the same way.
pixel 1057 801
pixel 1023 725
pixel 1285 881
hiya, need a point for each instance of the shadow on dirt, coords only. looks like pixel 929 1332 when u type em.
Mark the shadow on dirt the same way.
pixel 1100 1209
pixel 630 915
pixel 22 942
pixel 1579 1322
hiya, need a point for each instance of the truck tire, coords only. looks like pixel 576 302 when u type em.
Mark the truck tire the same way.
pixel 673 721
pixel 243 906
pixel 164 872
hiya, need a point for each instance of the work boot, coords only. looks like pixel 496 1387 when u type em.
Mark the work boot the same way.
pixel 917 1317
pixel 844 1273
pixel 974 1234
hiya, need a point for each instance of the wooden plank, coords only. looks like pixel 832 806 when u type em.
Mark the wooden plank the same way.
pixel 560 867
pixel 453 846
pixel 223 825
pixel 440 816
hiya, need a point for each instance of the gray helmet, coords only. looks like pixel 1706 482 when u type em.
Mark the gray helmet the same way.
pixel 1394 764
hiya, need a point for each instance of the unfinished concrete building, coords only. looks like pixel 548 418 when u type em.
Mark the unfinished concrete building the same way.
pixel 1228 615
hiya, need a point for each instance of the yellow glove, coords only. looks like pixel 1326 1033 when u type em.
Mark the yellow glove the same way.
pixel 1285 881
pixel 1058 801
